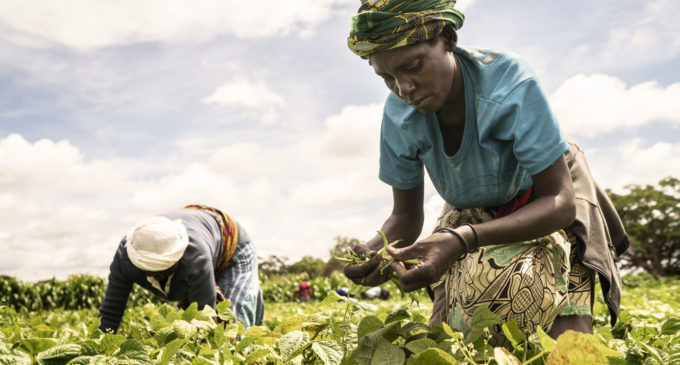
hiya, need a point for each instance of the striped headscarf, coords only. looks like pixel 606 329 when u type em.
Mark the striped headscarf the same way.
pixel 382 25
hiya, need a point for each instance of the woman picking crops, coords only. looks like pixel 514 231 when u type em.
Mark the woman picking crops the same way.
pixel 196 254
pixel 524 226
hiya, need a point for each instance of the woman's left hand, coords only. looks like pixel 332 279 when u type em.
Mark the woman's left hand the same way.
pixel 436 254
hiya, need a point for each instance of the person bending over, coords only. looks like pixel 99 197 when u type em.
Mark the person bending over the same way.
pixel 196 254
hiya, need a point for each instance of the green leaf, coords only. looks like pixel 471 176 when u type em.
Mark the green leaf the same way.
pixel 504 357
pixel 674 357
pixel 59 354
pixel 201 361
pixel 132 346
pixel 513 333
pixel 7 359
pixel 170 350
pixel 579 348
pixel 387 353
pixel 245 342
pixel 183 329
pixel 90 348
pixel 397 316
pixel 110 342
pixel 481 319
pixel 369 324
pixel 290 342
pixel 670 327
pixel 293 323
pixel 232 330
pixel 416 327
pixel 449 332
pixel 547 342
pixel 202 325
pixel 363 305
pixel 209 312
pixel 33 346
pixel 332 297
pixel 363 353
pixel 134 357
pixel 90 360
pixel 226 315
pixel 223 306
pixel 390 332
pixel 257 354
pixel 93 330
pixel 330 352
pixel 191 312
pixel 218 335
pixel 652 351
pixel 433 356
pixel 420 345
pixel 314 327
pixel 256 331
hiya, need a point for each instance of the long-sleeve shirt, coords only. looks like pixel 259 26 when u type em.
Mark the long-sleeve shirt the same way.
pixel 193 280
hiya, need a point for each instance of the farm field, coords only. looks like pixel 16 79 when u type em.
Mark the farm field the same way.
pixel 334 330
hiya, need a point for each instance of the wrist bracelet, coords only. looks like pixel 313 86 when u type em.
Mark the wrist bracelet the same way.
pixel 474 231
pixel 460 237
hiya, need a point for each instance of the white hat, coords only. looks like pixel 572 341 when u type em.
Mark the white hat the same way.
pixel 157 243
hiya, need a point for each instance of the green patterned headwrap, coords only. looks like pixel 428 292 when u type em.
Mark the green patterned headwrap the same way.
pixel 382 25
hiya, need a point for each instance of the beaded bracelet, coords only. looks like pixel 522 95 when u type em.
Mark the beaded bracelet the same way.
pixel 474 231
pixel 460 237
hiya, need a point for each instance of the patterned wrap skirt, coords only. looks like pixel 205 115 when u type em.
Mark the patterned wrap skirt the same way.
pixel 529 282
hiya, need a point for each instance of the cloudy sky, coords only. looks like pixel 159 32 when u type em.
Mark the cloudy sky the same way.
pixel 112 111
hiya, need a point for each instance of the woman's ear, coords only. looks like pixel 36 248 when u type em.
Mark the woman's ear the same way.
pixel 450 37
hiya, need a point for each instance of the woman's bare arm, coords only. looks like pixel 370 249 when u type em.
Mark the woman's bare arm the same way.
pixel 552 209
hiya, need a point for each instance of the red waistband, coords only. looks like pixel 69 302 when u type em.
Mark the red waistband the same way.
pixel 517 202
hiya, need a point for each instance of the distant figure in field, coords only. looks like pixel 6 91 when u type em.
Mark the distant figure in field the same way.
pixel 376 292
pixel 196 254
pixel 343 292
pixel 305 290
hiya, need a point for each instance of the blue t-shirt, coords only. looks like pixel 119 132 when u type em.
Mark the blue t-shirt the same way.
pixel 510 135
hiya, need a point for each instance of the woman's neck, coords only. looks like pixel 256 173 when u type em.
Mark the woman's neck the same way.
pixel 452 113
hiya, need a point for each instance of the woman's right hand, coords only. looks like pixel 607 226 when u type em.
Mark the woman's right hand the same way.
pixel 371 273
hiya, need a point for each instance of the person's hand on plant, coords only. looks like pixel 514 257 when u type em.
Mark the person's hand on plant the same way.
pixel 372 271
pixel 436 254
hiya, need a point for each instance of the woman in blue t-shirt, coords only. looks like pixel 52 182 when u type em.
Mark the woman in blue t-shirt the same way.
pixel 524 227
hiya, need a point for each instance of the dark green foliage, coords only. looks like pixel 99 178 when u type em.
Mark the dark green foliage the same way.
pixel 312 266
pixel 78 292
pixel 651 215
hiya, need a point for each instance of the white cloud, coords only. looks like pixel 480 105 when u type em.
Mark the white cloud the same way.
pixel 19 160
pixel 83 24
pixel 634 162
pixel 252 95
pixel 354 132
pixel 641 35
pixel 292 198
pixel 246 93
pixel 588 105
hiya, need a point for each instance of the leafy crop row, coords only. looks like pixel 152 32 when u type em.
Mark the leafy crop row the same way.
pixel 87 291
pixel 78 292
pixel 339 330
